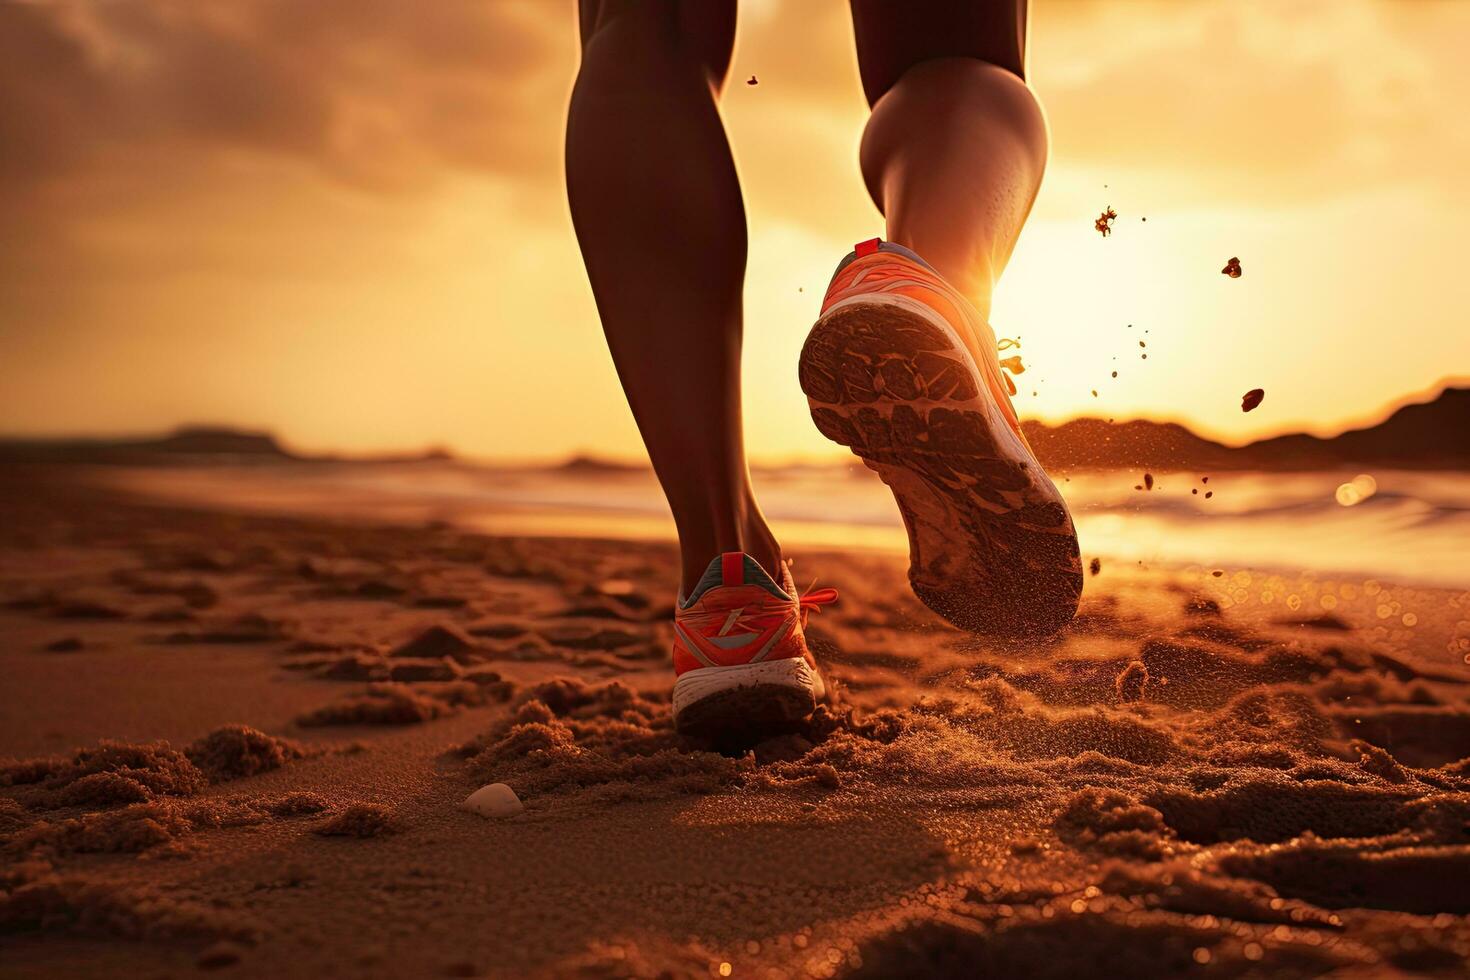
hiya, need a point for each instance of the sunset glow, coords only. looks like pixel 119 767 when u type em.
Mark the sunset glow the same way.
pixel 212 220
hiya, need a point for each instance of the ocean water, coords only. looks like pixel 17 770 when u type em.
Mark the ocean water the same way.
pixel 1405 526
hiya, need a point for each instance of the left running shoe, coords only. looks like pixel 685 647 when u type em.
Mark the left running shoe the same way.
pixel 740 652
pixel 902 368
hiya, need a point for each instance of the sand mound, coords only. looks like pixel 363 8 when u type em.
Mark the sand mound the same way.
pixel 294 804
pixel 393 703
pixel 144 826
pixel 1346 874
pixel 130 830
pixel 442 640
pixel 578 638
pixel 244 628
pixel 360 820
pixel 13 817
pixel 1176 784
pixel 355 667
pixel 1121 939
pixel 1115 823
pixel 121 773
pixel 567 733
pixel 111 773
pixel 408 670
pixel 382 704
pixel 235 751
pixel 74 903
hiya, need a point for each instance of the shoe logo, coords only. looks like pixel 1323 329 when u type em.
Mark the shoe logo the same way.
pixel 708 649
pixel 726 640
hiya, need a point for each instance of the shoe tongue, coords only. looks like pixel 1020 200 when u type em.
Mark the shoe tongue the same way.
pixel 734 568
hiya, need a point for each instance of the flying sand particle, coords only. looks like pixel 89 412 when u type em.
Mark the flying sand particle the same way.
pixel 1095 566
pixel 1148 481
pixel 751 81
pixel 1251 399
pixel 1104 222
pixel 1232 268
pixel 1132 683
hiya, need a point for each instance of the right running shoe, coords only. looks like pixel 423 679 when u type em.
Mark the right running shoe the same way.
pixel 901 368
pixel 744 669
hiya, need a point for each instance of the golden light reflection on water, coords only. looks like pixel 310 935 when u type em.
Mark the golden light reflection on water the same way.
pixel 1415 529
pixel 1357 490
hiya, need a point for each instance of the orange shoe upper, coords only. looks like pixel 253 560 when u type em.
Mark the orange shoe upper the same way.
pixel 739 615
pixel 874 270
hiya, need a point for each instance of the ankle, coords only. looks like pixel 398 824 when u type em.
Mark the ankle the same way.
pixel 762 545
pixel 967 266
pixel 753 537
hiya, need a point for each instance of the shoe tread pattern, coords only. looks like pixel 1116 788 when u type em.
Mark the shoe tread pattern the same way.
pixel 992 547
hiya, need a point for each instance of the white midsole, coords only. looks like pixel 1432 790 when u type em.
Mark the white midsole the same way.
pixel 794 672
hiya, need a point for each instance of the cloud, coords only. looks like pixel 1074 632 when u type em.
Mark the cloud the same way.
pixel 1258 102
pixel 377 93
pixel 223 208
pixel 388 97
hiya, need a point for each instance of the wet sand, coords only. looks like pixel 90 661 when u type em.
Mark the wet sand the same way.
pixel 237 742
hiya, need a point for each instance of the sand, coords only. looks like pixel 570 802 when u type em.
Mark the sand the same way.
pixel 240 743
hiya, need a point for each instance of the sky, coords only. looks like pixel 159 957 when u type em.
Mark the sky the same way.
pixel 344 221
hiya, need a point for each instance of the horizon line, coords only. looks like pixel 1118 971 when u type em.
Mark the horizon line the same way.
pixel 283 440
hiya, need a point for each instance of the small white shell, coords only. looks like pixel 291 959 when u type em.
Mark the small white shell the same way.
pixel 494 800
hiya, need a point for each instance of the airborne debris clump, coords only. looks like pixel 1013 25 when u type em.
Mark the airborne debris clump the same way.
pixel 1251 399
pixel 1104 222
pixel 1232 268
pixel 1132 683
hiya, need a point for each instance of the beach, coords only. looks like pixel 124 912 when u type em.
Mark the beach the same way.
pixel 237 736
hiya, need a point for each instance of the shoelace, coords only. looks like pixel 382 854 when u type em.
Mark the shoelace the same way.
pixel 813 599
pixel 1011 364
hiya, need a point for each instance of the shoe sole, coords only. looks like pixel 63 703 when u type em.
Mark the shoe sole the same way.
pixel 746 701
pixel 992 548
